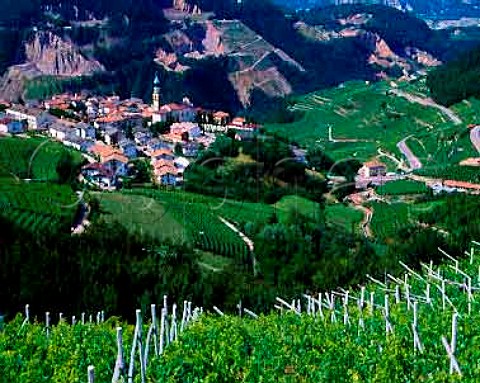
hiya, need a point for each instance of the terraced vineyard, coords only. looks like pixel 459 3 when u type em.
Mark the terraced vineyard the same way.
pixel 32 158
pixel 362 117
pixel 417 327
pixel 402 187
pixel 34 206
pixel 199 216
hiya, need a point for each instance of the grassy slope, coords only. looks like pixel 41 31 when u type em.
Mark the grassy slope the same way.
pixel 358 111
pixel 367 112
pixel 402 187
pixel 180 216
pixel 32 157
pixel 387 219
pixel 141 214
pixel 33 205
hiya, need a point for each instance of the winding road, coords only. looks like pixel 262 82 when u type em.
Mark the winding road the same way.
pixel 475 138
pixel 428 102
pixel 413 161
pixel 245 239
pixel 368 212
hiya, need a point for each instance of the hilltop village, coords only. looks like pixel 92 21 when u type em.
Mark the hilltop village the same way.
pixel 116 135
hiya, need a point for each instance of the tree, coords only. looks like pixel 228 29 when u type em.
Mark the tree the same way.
pixel 178 149
pixel 66 168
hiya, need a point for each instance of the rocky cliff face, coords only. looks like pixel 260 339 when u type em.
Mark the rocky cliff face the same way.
pixel 254 64
pixel 55 56
pixel 46 54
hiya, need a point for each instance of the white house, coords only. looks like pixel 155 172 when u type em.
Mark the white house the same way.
pixel 37 119
pixel 184 112
pixel 84 130
pixel 61 132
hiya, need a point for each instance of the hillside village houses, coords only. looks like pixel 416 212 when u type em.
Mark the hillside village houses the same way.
pixel 113 132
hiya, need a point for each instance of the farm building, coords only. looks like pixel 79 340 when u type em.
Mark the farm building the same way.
pixel 373 169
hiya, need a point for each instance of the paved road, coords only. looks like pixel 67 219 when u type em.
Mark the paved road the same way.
pixel 81 221
pixel 428 102
pixel 245 239
pixel 368 212
pixel 412 159
pixel 475 138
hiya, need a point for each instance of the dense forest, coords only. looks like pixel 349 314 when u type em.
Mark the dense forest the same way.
pixel 456 80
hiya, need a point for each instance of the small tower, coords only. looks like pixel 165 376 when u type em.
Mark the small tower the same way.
pixel 156 94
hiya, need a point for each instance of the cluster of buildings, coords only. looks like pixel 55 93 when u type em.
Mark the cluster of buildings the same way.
pixel 112 133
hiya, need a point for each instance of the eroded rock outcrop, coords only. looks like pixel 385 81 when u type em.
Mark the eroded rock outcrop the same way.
pixel 55 56
pixel 46 54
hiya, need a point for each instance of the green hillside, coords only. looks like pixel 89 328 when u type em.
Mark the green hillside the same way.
pixel 367 337
pixel 35 158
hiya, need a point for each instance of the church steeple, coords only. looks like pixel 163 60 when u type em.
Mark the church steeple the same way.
pixel 156 93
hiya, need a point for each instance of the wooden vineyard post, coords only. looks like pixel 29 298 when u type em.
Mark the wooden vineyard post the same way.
pixel 83 319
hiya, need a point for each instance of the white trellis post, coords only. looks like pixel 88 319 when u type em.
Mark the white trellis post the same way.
pixel 346 319
pixel 444 294
pixel 333 318
pixel 388 326
pixel 47 322
pixel 251 313
pixel 320 303
pixel 397 294
pixel 173 328
pixel 91 374
pixel 27 315
pixel 83 318
pixel 417 344
pixel 163 319
pixel 453 343
pixel 427 294
pixel 184 315
pixel 372 301
pixel 407 295
pixel 120 363
pixel 152 331
pixel 137 342
pixel 362 296
pixel 74 320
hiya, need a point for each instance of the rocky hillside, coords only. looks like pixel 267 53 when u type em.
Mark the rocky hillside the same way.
pixel 253 63
pixel 46 54
pixel 224 55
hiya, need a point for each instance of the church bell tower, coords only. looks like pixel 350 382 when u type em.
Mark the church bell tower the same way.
pixel 156 94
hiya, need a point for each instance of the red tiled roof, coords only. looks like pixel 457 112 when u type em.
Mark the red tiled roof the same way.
pixel 461 184
pixel 160 152
pixel 374 164
pixel 115 156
